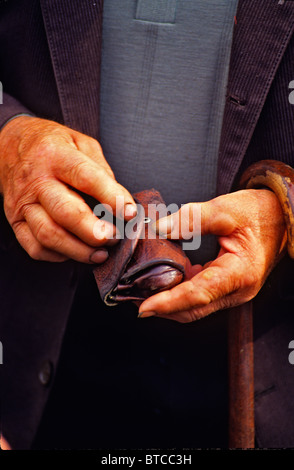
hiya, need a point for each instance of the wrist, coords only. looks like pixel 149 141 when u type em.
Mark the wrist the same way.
pixel 13 127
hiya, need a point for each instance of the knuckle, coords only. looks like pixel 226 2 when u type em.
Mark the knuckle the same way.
pixel 94 148
pixel 17 227
pixel 46 146
pixel 43 189
pixel 42 233
pixel 80 174
pixel 62 208
pixel 29 244
pixel 68 210
pixel 40 185
pixel 95 145
pixel 46 235
pixel 250 278
pixel 26 209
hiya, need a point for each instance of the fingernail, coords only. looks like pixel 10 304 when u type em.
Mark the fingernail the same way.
pixel 146 314
pixel 99 256
pixel 130 211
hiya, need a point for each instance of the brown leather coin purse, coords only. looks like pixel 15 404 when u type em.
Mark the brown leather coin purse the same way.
pixel 144 263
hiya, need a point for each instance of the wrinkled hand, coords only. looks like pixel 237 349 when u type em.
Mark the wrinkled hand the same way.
pixel 40 162
pixel 251 234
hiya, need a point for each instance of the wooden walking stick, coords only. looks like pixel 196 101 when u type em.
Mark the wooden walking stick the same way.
pixel 278 177
pixel 241 377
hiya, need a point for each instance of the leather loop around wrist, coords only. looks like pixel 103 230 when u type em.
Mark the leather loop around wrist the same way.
pixel 278 177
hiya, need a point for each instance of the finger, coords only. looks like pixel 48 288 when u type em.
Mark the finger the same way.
pixel 182 224
pixel 195 314
pixel 91 148
pixel 229 301
pixel 84 174
pixel 71 212
pixel 34 249
pixel 193 219
pixel 53 237
pixel 224 276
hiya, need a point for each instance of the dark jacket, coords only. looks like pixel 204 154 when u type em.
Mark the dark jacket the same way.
pixel 49 66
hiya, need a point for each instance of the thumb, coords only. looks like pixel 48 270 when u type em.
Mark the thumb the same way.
pixel 197 218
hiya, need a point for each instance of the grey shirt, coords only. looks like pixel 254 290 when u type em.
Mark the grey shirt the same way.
pixel 164 74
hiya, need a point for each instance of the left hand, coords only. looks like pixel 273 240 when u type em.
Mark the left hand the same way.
pixel 252 236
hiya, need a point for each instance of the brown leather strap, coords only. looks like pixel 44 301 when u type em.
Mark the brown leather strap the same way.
pixel 279 177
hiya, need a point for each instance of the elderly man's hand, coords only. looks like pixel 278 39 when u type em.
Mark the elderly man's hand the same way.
pixel 40 164
pixel 251 233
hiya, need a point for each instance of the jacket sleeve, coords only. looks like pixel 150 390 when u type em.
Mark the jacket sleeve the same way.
pixel 10 108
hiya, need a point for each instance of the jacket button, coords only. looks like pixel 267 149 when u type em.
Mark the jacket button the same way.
pixel 45 373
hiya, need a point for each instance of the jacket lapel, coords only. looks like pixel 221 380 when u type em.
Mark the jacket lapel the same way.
pixel 261 35
pixel 74 36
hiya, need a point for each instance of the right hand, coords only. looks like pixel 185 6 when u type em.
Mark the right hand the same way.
pixel 40 161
